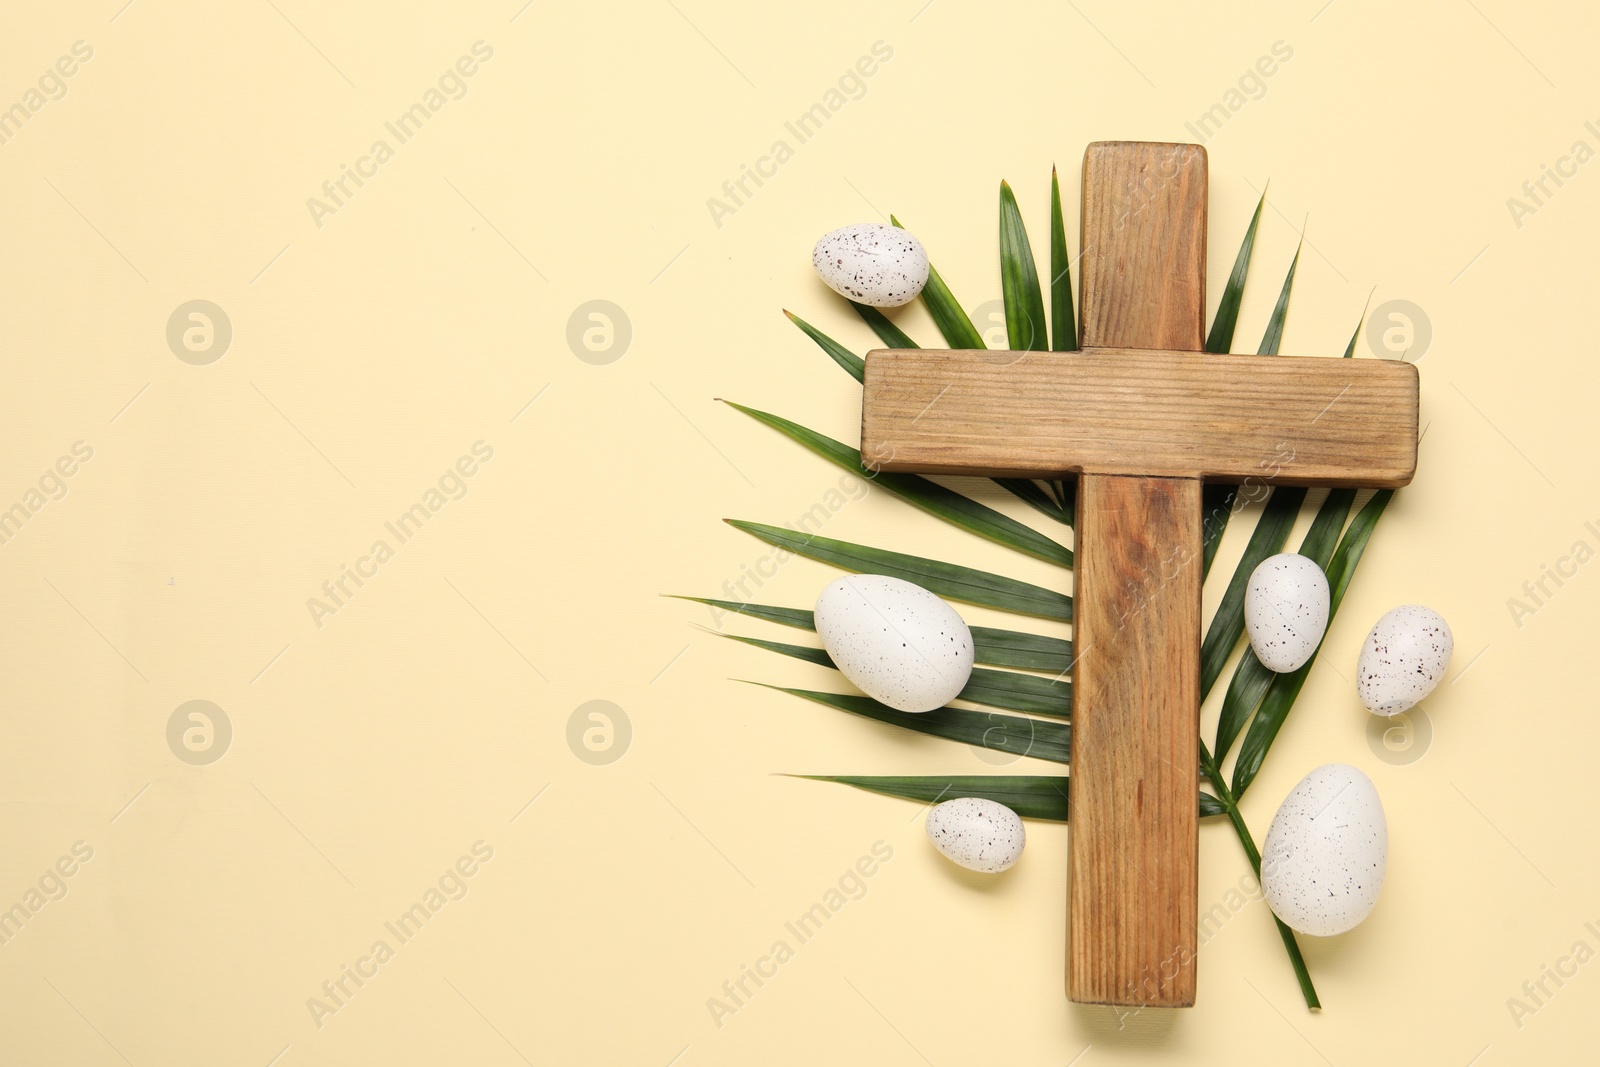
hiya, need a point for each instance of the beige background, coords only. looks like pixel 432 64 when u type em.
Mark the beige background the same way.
pixel 371 352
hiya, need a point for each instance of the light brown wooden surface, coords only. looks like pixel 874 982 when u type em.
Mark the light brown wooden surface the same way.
pixel 1142 276
pixel 1281 419
pixel 1133 833
pixel 1132 849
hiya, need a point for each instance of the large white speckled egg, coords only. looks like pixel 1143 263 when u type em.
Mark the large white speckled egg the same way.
pixel 872 264
pixel 978 834
pixel 1326 852
pixel 1286 610
pixel 1404 659
pixel 898 643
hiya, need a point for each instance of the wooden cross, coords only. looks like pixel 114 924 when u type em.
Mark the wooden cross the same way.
pixel 1141 416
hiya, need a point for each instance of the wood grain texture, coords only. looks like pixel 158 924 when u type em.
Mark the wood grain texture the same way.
pixel 1142 281
pixel 1133 835
pixel 1280 419
pixel 1132 860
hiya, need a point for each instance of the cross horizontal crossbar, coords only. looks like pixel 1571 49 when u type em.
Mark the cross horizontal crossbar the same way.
pixel 1278 419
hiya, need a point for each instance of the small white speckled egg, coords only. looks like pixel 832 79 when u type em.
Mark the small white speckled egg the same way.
pixel 1286 610
pixel 897 642
pixel 1326 852
pixel 1404 659
pixel 872 264
pixel 978 834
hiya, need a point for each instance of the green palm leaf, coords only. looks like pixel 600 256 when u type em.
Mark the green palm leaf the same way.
pixel 890 334
pixel 1285 688
pixel 1003 733
pixel 1320 540
pixel 852 363
pixel 931 497
pixel 801 618
pixel 1280 311
pixel 1350 349
pixel 1029 492
pixel 1245 690
pixel 946 579
pixel 1013 648
pixel 1019 692
pixel 1030 796
pixel 801 652
pixel 1064 326
pixel 1220 339
pixel 998 648
pixel 954 326
pixel 1019 280
pixel 997 689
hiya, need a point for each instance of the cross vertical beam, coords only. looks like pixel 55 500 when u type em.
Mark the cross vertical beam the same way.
pixel 1132 870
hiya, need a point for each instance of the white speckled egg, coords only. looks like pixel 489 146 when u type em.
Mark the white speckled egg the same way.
pixel 1286 610
pixel 1323 862
pixel 980 835
pixel 872 264
pixel 897 642
pixel 1403 660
